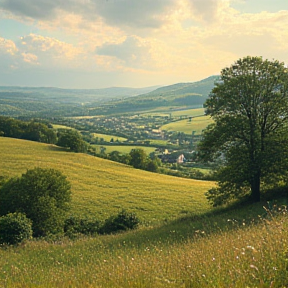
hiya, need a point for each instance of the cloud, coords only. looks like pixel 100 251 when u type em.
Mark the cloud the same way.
pixel 205 9
pixel 49 50
pixel 7 47
pixel 132 52
pixel 141 14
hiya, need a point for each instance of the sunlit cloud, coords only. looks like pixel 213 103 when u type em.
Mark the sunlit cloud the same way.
pixel 170 40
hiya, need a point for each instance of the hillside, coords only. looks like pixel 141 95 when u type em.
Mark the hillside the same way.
pixel 46 102
pixel 18 101
pixel 101 187
pixel 183 95
pixel 242 246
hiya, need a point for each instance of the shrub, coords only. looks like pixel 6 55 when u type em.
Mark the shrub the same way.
pixel 43 195
pixel 74 225
pixel 121 222
pixel 14 228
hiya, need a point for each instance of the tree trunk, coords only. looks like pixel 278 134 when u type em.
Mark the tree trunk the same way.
pixel 255 187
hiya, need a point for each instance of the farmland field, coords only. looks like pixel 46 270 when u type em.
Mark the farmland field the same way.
pixel 101 187
pixel 197 124
pixel 107 138
pixel 123 149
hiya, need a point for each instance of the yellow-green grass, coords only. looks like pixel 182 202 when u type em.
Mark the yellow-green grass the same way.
pixel 250 255
pixel 123 149
pixel 101 188
pixel 55 126
pixel 177 113
pixel 197 124
pixel 107 138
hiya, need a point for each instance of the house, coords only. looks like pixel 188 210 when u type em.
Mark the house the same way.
pixel 181 159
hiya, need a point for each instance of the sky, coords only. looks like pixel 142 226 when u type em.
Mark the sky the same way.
pixel 134 43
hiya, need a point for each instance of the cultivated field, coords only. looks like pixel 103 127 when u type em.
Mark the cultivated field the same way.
pixel 107 138
pixel 123 149
pixel 197 124
pixel 101 187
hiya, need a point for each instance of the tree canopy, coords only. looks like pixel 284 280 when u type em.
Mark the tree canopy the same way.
pixel 43 195
pixel 72 139
pixel 249 106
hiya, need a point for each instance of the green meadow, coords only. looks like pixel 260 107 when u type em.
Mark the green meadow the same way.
pixel 123 149
pixel 174 112
pixel 107 138
pixel 182 241
pixel 197 124
pixel 101 188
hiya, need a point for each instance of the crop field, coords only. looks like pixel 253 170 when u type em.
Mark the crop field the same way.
pixel 107 138
pixel 55 126
pixel 101 188
pixel 177 112
pixel 123 149
pixel 197 124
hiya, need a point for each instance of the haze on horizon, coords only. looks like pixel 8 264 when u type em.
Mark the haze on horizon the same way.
pixel 104 43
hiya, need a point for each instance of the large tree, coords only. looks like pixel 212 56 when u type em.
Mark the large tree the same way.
pixel 249 106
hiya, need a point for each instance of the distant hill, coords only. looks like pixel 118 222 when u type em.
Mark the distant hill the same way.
pixel 23 101
pixel 43 101
pixel 199 88
pixel 190 95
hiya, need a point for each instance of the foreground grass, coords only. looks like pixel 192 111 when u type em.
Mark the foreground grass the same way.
pixel 215 250
pixel 100 188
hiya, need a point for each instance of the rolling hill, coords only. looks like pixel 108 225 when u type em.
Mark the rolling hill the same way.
pixel 46 102
pixel 184 95
pixel 18 101
pixel 101 187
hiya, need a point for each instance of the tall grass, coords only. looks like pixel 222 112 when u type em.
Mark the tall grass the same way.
pixel 216 255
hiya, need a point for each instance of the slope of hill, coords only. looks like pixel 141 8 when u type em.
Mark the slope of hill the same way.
pixel 17 101
pixel 101 187
pixel 187 95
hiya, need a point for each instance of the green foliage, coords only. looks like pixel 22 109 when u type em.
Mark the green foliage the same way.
pixel 249 106
pixel 42 194
pixel 138 158
pixel 71 139
pixel 32 130
pixel 121 222
pixel 14 228
pixel 76 225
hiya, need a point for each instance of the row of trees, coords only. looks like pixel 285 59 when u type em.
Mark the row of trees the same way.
pixel 36 131
pixel 32 130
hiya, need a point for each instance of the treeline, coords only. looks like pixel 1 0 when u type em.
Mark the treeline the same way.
pixel 31 130
pixel 42 132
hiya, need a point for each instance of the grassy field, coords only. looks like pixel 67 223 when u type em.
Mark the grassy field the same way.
pixel 107 138
pixel 176 112
pixel 212 251
pixel 123 149
pixel 101 187
pixel 185 244
pixel 196 124
pixel 55 126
